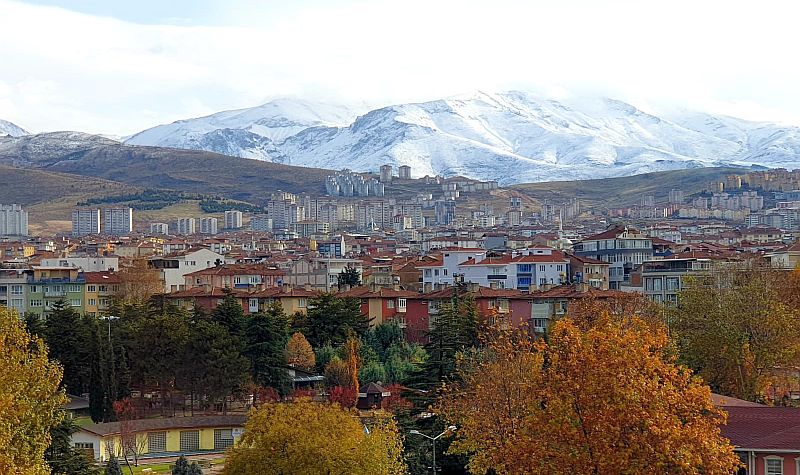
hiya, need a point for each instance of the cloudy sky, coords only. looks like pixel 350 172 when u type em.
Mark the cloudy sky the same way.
pixel 118 67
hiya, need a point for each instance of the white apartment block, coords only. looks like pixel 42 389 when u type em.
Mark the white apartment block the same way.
pixel 233 219
pixel 187 226
pixel 174 267
pixel 261 223
pixel 118 221
pixel 13 220
pixel 209 225
pixel 440 274
pixel 85 222
pixel 86 264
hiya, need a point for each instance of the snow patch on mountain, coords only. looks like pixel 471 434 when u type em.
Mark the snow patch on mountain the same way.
pixel 8 128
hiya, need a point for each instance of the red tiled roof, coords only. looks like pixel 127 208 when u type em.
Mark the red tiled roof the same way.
pixel 238 269
pixel 726 401
pixel 763 428
pixel 366 292
pixel 102 278
pixel 610 234
pixel 569 291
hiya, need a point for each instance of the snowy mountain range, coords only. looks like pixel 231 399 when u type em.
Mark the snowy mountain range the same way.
pixel 511 137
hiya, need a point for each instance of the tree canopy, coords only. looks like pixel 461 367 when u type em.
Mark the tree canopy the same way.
pixel 309 437
pixel 30 400
pixel 603 399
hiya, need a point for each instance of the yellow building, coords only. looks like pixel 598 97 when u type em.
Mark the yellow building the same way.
pixel 100 288
pixel 164 437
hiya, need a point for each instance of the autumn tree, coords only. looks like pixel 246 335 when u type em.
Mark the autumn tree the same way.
pixel 138 282
pixel 308 437
pixel 737 326
pixel 299 352
pixel 30 401
pixel 607 398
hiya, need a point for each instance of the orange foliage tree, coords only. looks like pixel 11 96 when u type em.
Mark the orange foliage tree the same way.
pixel 299 353
pixel 605 398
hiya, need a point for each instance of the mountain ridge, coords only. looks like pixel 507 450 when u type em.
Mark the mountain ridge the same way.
pixel 510 137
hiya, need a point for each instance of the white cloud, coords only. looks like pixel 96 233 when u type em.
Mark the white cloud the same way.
pixel 66 70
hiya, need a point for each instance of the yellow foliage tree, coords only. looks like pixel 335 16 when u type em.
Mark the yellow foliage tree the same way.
pixel 30 401
pixel 299 352
pixel 305 437
pixel 596 400
pixel 139 282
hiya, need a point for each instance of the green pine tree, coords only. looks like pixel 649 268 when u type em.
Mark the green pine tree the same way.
pixel 112 467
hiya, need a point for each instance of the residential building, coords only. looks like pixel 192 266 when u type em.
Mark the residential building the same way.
pixel 208 226
pixel 439 273
pixel 233 219
pixel 13 220
pixel 310 228
pixel 382 304
pixel 767 439
pixel 551 304
pixel 786 258
pixel 236 276
pixel 386 173
pixel 662 280
pixel 159 228
pixel 118 221
pixel 621 247
pixel 85 264
pixel 14 289
pixel 261 223
pixel 48 285
pixel 85 222
pixel 174 267
pixel 533 270
pixel 162 437
pixel 100 288
pixel 187 226
pixel 292 299
pixel 589 271
pixel 320 273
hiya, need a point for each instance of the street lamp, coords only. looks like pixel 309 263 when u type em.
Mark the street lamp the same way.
pixel 433 441
pixel 109 319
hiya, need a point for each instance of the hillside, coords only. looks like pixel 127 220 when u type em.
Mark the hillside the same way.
pixel 607 193
pixel 158 168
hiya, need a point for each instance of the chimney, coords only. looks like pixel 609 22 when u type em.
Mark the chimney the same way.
pixel 545 287
pixel 373 287
pixel 286 287
pixel 494 285
pixel 307 286
pixel 582 287
pixel 396 286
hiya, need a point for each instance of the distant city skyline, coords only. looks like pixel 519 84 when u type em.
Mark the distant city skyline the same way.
pixel 120 67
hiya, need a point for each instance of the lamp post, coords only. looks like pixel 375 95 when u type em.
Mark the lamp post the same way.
pixel 433 441
pixel 109 319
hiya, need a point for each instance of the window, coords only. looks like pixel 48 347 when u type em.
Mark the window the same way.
pixel 93 302
pixel 542 281
pixel 390 303
pixel 16 303
pixel 540 324
pixel 104 302
pixel 3 289
pixel 301 303
pixel 91 288
pixel 33 289
pixel 542 268
pixel 190 440
pixel 444 271
pixel 102 288
pixel 523 282
pixel 74 288
pixel 75 302
pixel 401 305
pixel 436 272
pixel 36 303
pixel 773 465
pixel 523 268
pixel 156 442
pixel 560 268
pixel 17 290
pixel 253 304
pixel 223 438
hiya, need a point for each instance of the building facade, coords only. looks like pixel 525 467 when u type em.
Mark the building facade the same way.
pixel 13 220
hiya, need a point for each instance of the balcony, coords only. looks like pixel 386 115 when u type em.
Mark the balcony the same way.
pixel 55 293
pixel 496 277
pixel 56 280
